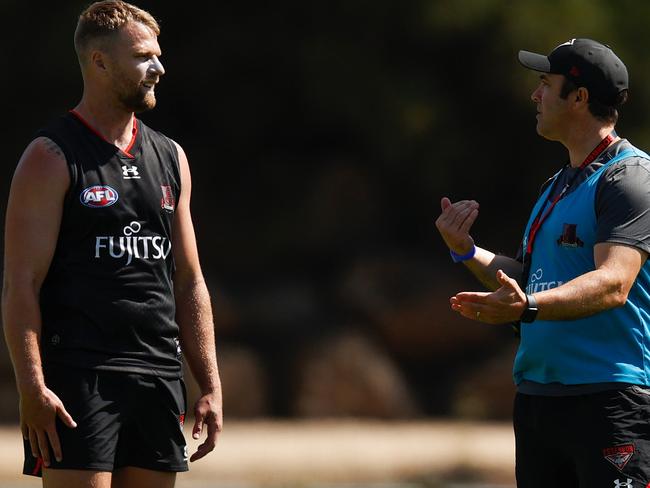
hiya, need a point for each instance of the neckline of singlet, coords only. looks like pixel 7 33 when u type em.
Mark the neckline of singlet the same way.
pixel 134 132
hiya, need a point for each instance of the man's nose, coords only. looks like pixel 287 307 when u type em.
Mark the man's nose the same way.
pixel 535 96
pixel 157 66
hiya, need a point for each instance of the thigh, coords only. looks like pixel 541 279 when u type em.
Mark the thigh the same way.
pixel 67 478
pixel 132 477
pixel 616 439
pixel 542 461
pixel 92 402
pixel 152 435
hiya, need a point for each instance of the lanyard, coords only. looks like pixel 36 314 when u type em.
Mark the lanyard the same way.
pixel 543 215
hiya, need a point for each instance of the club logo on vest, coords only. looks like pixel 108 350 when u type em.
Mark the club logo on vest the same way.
pixel 569 237
pixel 619 455
pixel 167 203
pixel 98 196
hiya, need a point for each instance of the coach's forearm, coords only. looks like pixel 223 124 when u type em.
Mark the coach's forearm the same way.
pixel 586 295
pixel 194 315
pixel 485 264
pixel 22 329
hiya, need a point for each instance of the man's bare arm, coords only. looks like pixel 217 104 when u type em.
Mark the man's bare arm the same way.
pixel 454 224
pixel 608 286
pixel 194 316
pixel 31 232
pixel 604 288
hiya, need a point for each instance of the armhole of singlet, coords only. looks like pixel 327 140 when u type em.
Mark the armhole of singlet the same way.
pixel 177 163
pixel 72 168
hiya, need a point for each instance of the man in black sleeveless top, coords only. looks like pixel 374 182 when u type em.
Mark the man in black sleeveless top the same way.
pixel 103 285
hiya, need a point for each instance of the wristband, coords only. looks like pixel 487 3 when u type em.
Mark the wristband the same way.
pixel 459 258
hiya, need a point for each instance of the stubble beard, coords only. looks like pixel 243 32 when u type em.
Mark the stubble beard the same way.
pixel 138 102
pixel 132 95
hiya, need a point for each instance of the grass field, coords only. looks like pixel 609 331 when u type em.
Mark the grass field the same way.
pixel 334 454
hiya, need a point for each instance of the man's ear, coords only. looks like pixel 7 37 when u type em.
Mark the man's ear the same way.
pixel 97 59
pixel 582 95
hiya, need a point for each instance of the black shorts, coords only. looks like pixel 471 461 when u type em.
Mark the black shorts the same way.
pixel 598 440
pixel 123 419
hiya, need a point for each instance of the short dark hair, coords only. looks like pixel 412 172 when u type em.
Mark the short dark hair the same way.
pixel 603 112
pixel 101 19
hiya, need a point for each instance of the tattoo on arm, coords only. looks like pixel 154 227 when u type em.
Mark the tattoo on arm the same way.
pixel 53 148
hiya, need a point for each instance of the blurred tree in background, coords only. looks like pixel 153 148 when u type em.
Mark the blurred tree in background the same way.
pixel 322 136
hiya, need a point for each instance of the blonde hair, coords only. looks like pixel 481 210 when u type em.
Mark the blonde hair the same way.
pixel 102 19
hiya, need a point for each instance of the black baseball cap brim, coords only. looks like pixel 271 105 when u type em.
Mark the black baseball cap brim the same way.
pixel 534 61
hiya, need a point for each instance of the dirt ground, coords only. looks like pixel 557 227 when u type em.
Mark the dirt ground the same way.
pixel 317 453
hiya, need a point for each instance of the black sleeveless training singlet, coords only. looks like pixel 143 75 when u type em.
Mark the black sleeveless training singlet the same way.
pixel 107 302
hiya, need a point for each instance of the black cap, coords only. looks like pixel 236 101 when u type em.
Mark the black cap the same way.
pixel 586 63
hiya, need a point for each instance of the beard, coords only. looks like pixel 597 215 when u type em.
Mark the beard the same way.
pixel 135 100
pixel 131 94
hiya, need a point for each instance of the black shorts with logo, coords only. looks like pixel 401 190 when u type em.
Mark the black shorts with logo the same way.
pixel 123 419
pixel 597 440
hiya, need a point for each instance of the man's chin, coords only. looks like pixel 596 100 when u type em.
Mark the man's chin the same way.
pixel 540 131
pixel 140 105
pixel 546 135
pixel 144 107
pixel 147 104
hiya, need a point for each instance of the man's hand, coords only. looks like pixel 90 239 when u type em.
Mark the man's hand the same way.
pixel 504 305
pixel 208 411
pixel 37 422
pixel 455 222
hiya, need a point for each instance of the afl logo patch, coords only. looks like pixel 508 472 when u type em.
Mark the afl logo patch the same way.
pixel 98 196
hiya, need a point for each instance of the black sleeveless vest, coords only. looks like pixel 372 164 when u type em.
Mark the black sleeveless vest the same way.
pixel 107 302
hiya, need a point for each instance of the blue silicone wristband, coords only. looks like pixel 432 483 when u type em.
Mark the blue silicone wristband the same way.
pixel 459 258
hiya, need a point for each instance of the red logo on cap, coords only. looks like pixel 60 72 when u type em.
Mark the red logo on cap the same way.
pixel 574 71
